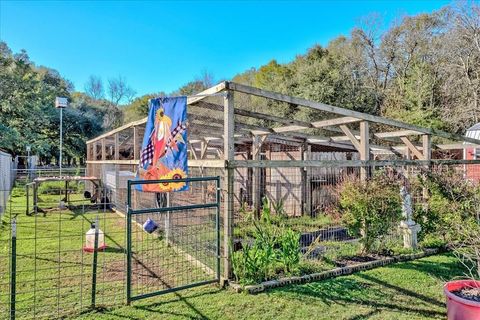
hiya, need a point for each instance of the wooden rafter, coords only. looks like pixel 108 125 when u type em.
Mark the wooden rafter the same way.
pixel 413 149
pixel 345 112
pixel 351 137
pixel 395 134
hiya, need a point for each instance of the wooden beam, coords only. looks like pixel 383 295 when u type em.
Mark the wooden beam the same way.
pixel 351 137
pixel 190 100
pixel 427 147
pixel 104 150
pixel 136 144
pixel 395 134
pixel 334 122
pixel 207 163
pixel 193 151
pixel 256 155
pixel 456 146
pixel 364 150
pixel 228 187
pixel 203 148
pixel 268 117
pixel 320 140
pixel 413 149
pixel 345 112
pixel 117 147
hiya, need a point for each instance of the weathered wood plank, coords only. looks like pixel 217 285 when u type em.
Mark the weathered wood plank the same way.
pixel 228 182
pixel 413 149
pixel 395 134
pixel 351 137
pixel 364 150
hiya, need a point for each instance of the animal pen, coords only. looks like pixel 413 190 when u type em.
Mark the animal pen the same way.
pixel 245 145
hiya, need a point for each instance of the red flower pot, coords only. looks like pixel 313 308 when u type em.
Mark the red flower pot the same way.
pixel 459 308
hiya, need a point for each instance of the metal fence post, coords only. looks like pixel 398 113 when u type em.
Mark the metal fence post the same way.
pixel 217 226
pixel 94 264
pixel 13 271
pixel 129 243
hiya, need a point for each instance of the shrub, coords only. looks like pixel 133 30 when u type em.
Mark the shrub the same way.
pixel 370 209
pixel 451 200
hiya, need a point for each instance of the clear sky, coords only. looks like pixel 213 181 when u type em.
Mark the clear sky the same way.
pixel 159 45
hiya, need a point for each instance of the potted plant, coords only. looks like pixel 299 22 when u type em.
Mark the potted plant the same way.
pixel 463 296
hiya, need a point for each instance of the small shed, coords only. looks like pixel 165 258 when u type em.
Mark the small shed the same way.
pixel 472 171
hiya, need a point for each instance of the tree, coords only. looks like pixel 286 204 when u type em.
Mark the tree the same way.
pixel 119 90
pixel 94 87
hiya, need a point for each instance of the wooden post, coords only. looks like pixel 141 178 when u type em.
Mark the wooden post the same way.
pixel 308 177
pixel 256 146
pixel 104 151
pixel 364 148
pixel 228 182
pixel 89 152
pixel 203 154
pixel 427 147
pixel 136 141
pixel 427 155
pixel 117 145
pixel 303 182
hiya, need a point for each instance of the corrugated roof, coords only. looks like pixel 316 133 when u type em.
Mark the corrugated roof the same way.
pixel 474 127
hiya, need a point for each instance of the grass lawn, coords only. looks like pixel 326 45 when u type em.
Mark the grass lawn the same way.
pixel 411 290
pixel 54 275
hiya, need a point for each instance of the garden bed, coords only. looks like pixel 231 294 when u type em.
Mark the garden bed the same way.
pixel 346 270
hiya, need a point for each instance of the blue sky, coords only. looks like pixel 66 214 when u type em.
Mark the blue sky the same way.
pixel 159 46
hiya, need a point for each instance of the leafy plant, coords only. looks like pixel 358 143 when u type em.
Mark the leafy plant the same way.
pixel 370 209
pixel 279 207
pixel 273 249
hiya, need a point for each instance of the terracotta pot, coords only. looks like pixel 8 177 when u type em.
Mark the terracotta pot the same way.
pixel 459 308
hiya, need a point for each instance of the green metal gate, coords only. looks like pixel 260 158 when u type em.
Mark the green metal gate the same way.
pixel 184 249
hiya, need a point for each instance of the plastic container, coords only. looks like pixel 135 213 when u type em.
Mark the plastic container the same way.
pixel 459 308
pixel 90 240
pixel 150 226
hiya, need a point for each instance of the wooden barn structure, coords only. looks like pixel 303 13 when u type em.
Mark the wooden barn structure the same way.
pixel 268 144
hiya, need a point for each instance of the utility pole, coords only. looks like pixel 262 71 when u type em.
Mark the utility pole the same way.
pixel 61 103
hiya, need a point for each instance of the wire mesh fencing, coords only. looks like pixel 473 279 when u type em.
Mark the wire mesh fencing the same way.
pixel 176 243
pixel 50 268
pixel 308 200
pixel 56 274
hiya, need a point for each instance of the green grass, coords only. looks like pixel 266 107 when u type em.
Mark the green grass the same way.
pixel 54 275
pixel 411 290
pixel 61 285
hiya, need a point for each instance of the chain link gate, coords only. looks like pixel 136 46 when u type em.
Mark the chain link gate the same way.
pixel 175 245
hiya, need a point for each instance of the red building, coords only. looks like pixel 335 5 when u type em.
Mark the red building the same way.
pixel 472 171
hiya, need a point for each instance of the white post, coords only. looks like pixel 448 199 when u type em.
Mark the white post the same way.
pixel 61 103
pixel 61 139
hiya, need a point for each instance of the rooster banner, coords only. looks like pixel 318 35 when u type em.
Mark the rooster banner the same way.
pixel 164 148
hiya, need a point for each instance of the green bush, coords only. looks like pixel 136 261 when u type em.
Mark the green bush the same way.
pixel 274 250
pixel 370 209
pixel 450 200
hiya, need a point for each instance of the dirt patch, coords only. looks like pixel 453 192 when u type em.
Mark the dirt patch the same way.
pixel 468 293
pixel 351 261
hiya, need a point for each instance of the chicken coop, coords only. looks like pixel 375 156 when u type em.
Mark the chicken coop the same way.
pixel 268 145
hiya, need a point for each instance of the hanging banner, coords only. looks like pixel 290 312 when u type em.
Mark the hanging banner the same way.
pixel 164 147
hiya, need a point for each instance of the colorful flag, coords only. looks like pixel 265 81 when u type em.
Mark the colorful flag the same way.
pixel 164 148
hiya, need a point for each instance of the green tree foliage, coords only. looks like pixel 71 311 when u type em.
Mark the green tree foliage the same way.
pixel 138 109
pixel 28 115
